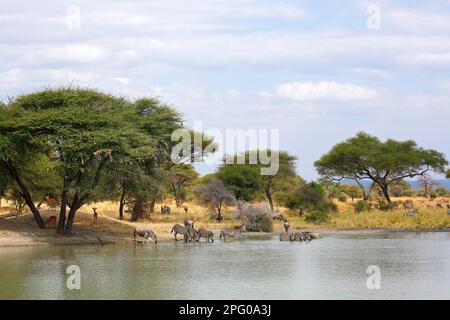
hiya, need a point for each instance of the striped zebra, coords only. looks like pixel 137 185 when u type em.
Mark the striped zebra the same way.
pixel 207 234
pixel 232 233
pixel 179 229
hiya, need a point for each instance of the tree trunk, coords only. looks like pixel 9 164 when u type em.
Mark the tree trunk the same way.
pixel 269 198
pixel 26 195
pixel 75 205
pixel 152 205
pixel 384 189
pixel 121 205
pixel 138 209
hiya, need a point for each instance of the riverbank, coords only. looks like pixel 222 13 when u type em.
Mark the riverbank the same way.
pixel 22 230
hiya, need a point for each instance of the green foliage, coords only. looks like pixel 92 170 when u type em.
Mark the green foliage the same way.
pixel 386 206
pixel 361 206
pixel 243 181
pixel 366 157
pixel 447 174
pixel 318 217
pixel 442 192
pixel 179 177
pixel 257 218
pixel 286 168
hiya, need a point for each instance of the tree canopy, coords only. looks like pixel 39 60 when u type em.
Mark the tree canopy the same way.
pixel 366 157
pixel 83 133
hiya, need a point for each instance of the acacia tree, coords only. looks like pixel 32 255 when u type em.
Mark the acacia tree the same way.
pixel 286 168
pixel 83 132
pixel 366 157
pixel 180 176
pixel 447 174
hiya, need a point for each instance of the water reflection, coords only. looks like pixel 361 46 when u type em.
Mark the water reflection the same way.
pixel 412 266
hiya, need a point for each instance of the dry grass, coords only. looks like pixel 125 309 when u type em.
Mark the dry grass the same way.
pixel 23 231
pixel 347 218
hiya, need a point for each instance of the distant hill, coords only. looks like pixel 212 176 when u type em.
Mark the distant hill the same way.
pixel 414 184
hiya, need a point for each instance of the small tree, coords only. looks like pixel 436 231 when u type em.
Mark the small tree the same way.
pixel 179 177
pixel 256 218
pixel 427 184
pixel 243 181
pixel 215 195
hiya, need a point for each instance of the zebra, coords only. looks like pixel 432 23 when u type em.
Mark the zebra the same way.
pixel 439 205
pixel 411 213
pixel 232 233
pixel 298 236
pixel 179 229
pixel 203 233
pixel 146 234
pixel 192 233
pixel 165 209
pixel 286 236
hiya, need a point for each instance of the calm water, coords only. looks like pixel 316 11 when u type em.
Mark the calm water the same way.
pixel 412 266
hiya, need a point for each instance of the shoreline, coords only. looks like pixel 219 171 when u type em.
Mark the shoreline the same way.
pixel 13 241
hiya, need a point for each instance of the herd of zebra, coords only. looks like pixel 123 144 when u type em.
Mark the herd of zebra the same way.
pixel 296 236
pixel 190 234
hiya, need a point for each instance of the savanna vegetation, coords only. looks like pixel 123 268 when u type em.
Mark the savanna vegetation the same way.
pixel 72 150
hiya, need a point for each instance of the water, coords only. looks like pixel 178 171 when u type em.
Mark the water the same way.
pixel 413 266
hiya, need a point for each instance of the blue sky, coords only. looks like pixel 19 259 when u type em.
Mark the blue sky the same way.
pixel 312 69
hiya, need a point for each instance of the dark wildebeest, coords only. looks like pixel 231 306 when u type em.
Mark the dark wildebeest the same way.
pixel 203 233
pixel 232 233
pixel 179 229
pixel 146 234
pixel 185 209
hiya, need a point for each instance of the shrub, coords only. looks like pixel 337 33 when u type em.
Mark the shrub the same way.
pixel 361 206
pixel 318 217
pixel 385 206
pixel 255 217
pixel 342 198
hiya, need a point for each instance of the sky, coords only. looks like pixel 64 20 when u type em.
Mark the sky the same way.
pixel 317 71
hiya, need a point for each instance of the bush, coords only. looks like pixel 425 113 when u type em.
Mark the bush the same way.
pixel 342 198
pixel 361 206
pixel 255 217
pixel 318 217
pixel 384 206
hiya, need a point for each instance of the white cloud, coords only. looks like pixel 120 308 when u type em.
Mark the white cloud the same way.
pixel 372 73
pixel 324 91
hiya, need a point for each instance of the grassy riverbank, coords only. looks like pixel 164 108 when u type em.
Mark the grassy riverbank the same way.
pixel 23 231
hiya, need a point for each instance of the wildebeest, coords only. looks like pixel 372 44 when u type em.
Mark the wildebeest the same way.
pixel 185 209
pixel 51 222
pixel 286 226
pixel 179 229
pixel 278 216
pixel 232 233
pixel 146 234
pixel 411 213
pixel 207 234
